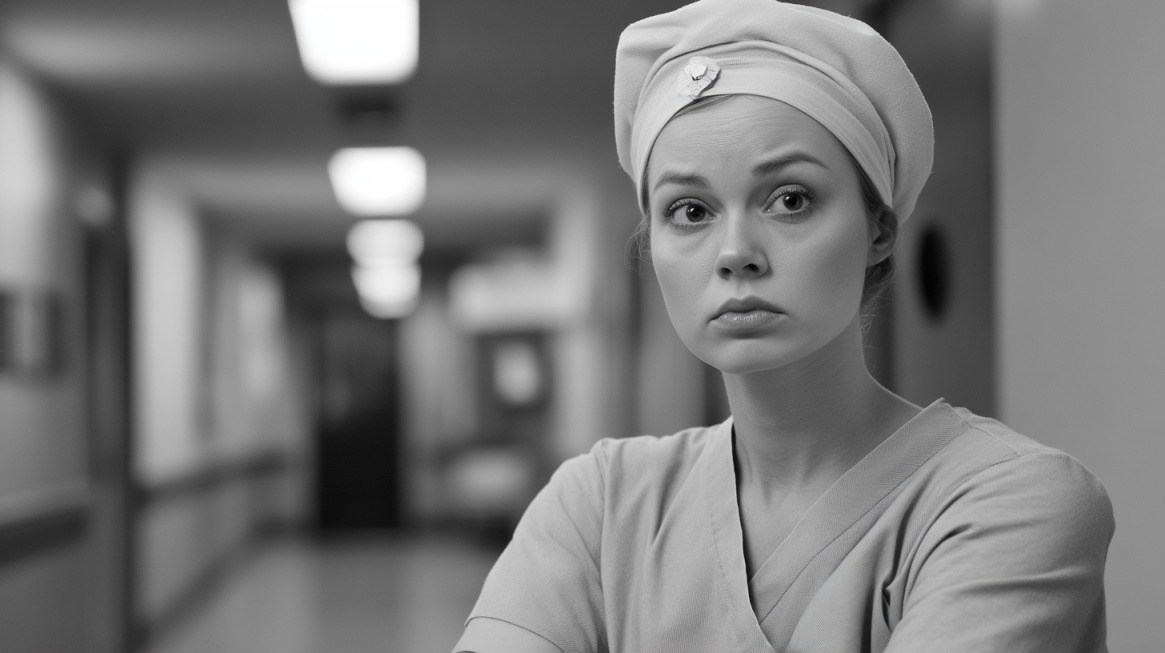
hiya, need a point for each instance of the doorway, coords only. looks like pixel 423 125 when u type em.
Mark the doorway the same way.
pixel 358 443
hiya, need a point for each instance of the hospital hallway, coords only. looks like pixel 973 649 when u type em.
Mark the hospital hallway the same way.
pixel 302 302
pixel 370 594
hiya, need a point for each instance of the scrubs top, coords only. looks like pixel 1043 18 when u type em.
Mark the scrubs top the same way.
pixel 955 534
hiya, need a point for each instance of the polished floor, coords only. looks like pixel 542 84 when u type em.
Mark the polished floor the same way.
pixel 359 596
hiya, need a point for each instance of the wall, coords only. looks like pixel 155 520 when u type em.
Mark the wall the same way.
pixel 40 252
pixel 43 444
pixel 948 354
pixel 588 342
pixel 170 421
pixel 257 388
pixel 254 402
pixel 1080 265
pixel 219 421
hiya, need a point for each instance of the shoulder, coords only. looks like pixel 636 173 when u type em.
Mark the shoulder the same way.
pixel 1015 461
pixel 653 449
pixel 1012 531
pixel 619 473
pixel 651 459
pixel 996 478
pixel 993 430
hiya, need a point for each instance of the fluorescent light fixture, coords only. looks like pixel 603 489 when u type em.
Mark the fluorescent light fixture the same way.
pixel 384 242
pixel 357 41
pixel 388 291
pixel 378 181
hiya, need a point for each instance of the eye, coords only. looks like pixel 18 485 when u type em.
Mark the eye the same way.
pixel 791 200
pixel 687 212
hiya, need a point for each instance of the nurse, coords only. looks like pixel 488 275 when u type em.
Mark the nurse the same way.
pixel 776 149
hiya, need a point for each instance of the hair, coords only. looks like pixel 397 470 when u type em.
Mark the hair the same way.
pixel 881 219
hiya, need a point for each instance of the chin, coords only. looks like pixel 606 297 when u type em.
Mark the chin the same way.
pixel 751 356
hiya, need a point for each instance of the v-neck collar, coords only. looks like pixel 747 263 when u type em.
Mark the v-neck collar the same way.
pixel 853 495
pixel 728 538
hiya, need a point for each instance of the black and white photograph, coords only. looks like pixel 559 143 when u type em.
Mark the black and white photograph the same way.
pixel 653 326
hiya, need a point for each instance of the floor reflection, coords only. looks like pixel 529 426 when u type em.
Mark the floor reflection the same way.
pixel 352 596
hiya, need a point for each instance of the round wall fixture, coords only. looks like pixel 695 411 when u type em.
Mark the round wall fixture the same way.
pixel 933 272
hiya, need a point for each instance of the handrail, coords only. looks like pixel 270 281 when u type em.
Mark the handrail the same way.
pixel 34 521
pixel 211 475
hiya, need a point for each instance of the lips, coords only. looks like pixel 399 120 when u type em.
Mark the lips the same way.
pixel 747 316
pixel 746 305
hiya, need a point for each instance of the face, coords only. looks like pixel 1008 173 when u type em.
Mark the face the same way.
pixel 759 233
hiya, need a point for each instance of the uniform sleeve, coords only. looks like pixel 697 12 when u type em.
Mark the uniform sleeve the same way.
pixel 1014 562
pixel 547 579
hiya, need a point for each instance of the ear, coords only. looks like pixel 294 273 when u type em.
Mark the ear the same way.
pixel 883 235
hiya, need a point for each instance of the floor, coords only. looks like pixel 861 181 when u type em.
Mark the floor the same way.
pixel 371 595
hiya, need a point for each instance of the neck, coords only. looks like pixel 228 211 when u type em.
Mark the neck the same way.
pixel 803 425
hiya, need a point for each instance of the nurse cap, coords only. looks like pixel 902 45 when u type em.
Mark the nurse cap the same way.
pixel 836 69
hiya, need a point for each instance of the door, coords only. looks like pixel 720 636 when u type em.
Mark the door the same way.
pixel 358 437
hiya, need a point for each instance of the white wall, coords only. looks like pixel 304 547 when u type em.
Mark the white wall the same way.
pixel 212 348
pixel 582 371
pixel 41 419
pixel 255 400
pixel 43 427
pixel 1081 265
pixel 168 287
pixel 214 384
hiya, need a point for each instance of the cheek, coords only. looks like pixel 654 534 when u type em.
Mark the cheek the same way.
pixel 683 274
pixel 837 267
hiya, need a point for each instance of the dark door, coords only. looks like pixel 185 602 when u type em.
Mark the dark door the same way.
pixel 358 478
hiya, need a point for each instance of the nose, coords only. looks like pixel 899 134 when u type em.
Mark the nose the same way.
pixel 742 252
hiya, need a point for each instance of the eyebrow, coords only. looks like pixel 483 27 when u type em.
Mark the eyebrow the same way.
pixel 762 169
pixel 698 181
pixel 773 165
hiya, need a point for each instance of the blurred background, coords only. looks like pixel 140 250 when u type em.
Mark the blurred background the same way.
pixel 251 402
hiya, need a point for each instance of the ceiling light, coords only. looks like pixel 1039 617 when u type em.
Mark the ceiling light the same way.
pixel 357 41
pixel 378 181
pixel 388 291
pixel 383 242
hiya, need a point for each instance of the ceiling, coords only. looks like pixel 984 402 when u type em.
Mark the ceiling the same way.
pixel 509 98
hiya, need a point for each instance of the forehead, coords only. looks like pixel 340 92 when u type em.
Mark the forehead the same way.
pixel 739 129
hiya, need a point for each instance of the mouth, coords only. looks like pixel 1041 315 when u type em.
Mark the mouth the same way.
pixel 746 314
pixel 745 305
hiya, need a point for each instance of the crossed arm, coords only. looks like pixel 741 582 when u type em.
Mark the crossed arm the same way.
pixel 485 635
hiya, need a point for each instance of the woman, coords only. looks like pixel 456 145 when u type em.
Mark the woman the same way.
pixel 775 149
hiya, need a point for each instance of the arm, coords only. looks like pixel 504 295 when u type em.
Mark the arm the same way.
pixel 1014 562
pixel 485 635
pixel 544 593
